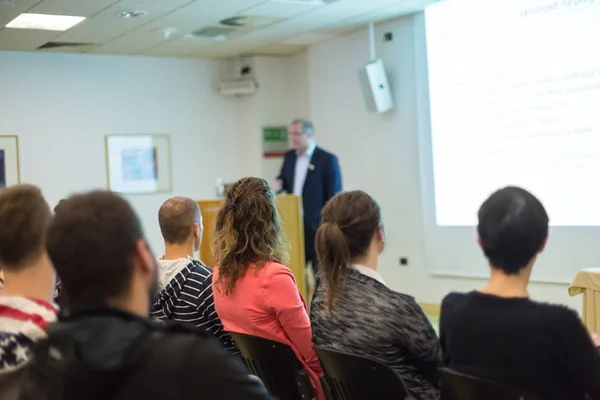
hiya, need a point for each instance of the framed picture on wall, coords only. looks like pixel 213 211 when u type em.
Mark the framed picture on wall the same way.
pixel 138 164
pixel 9 161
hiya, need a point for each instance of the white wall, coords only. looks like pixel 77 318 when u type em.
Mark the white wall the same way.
pixel 282 97
pixel 61 106
pixel 380 153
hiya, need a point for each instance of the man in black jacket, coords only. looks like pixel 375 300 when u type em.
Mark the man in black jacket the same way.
pixel 106 347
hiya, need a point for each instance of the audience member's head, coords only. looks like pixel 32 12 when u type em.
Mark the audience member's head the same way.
pixel 248 231
pixel 513 228
pixel 98 248
pixel 24 217
pixel 351 232
pixel 302 134
pixel 180 223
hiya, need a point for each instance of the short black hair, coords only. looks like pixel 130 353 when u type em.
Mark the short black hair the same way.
pixel 513 226
pixel 92 241
pixel 176 218
pixel 24 219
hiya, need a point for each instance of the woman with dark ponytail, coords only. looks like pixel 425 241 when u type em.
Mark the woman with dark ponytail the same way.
pixel 354 311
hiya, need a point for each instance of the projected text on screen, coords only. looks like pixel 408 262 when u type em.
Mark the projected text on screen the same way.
pixel 515 100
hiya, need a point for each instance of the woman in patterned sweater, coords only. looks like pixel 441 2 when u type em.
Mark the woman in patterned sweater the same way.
pixel 353 310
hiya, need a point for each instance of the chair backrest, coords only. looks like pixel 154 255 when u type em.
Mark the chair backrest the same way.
pixel 352 377
pixel 457 386
pixel 276 365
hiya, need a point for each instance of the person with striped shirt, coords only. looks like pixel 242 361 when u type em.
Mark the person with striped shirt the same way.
pixel 185 284
pixel 26 307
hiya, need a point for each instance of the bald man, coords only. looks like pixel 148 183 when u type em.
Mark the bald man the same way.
pixel 185 284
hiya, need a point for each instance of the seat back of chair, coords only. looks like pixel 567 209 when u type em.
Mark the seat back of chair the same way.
pixel 352 377
pixel 276 365
pixel 457 386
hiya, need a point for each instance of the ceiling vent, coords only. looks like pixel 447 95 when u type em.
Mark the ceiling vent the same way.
pixel 67 46
pixel 212 32
pixel 249 22
pixel 231 26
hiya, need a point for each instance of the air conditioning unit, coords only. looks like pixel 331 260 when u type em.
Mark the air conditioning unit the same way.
pixel 238 87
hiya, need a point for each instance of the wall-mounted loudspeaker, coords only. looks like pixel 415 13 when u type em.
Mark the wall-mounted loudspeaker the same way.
pixel 375 86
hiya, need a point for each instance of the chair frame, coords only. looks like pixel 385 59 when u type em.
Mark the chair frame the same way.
pixel 336 389
pixel 262 367
pixel 448 378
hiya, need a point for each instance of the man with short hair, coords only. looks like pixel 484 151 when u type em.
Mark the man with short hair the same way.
pixel 312 173
pixel 185 284
pixel 498 333
pixel 107 348
pixel 26 306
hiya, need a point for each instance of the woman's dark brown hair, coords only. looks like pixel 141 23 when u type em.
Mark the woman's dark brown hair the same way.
pixel 348 223
pixel 248 231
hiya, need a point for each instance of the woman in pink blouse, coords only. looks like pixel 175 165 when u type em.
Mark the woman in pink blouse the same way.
pixel 254 292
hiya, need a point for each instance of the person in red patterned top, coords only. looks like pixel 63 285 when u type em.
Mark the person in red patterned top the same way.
pixel 26 306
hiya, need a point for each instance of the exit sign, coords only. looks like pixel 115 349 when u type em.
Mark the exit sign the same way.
pixel 275 141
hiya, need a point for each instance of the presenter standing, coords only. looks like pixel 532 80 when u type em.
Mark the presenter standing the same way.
pixel 312 173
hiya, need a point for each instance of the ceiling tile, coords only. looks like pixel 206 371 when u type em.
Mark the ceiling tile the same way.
pixel 21 6
pixel 132 43
pixel 361 21
pixel 203 13
pixel 24 39
pixel 309 39
pixel 135 4
pixel 80 8
pixel 281 49
pixel 229 49
pixel 179 48
pixel 280 9
pixel 169 52
pixel 407 6
pixel 363 5
pixel 278 32
pixel 340 29
pixel 331 13
pixel 108 25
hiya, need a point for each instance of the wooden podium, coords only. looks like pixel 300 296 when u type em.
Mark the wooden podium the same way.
pixel 291 218
pixel 587 282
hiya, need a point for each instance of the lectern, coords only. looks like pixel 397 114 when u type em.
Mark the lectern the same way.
pixel 587 282
pixel 291 217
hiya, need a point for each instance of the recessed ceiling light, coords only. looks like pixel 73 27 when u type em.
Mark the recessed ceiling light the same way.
pixel 46 22
pixel 133 14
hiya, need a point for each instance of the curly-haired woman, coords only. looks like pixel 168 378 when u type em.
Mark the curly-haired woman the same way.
pixel 254 292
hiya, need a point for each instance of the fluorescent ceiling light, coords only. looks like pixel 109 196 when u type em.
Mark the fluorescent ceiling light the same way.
pixel 45 22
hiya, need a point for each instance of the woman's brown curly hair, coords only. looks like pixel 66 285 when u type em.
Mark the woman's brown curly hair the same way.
pixel 248 231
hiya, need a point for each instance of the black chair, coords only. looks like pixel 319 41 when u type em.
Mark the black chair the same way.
pixel 276 365
pixel 351 377
pixel 457 386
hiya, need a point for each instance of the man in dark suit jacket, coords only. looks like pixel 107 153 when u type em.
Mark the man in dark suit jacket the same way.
pixel 312 173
